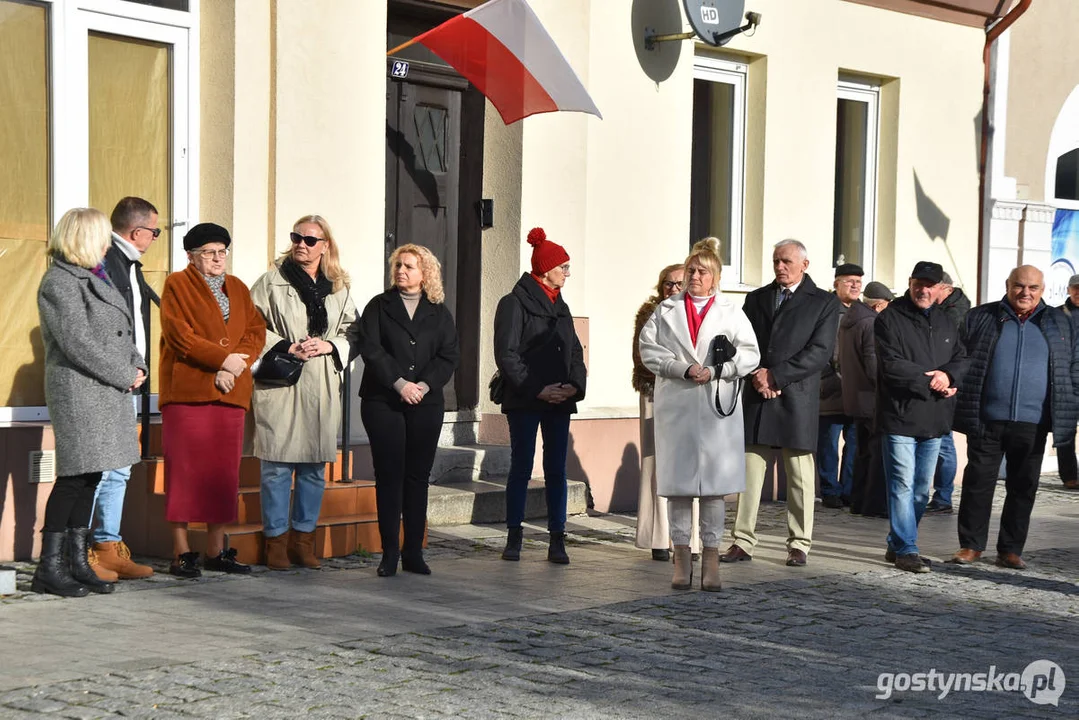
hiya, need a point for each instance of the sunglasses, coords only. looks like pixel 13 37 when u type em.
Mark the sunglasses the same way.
pixel 308 240
pixel 153 231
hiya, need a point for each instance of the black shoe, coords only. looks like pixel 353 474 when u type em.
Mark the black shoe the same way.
pixel 831 501
pixel 186 565
pixel 226 562
pixel 938 509
pixel 413 563
pixel 845 499
pixel 53 574
pixel 662 555
pixel 388 566
pixel 78 545
pixel 514 538
pixel 911 563
pixel 556 553
pixel 889 556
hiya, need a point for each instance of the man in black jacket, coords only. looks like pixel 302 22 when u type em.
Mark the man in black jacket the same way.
pixel 1067 465
pixel 795 323
pixel 955 304
pixel 1024 371
pixel 920 361
pixel 134 228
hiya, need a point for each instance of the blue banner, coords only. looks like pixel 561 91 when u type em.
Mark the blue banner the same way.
pixel 1065 253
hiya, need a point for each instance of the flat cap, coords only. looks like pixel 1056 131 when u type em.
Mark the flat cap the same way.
pixel 877 291
pixel 849 269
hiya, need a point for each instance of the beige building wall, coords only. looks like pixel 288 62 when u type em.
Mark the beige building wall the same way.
pixel 1042 72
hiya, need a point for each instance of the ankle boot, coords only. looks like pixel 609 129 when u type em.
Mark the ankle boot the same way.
pixel 102 572
pixel 301 549
pixel 277 552
pixel 556 552
pixel 116 556
pixel 513 544
pixel 390 559
pixel 78 545
pixel 683 568
pixel 53 574
pixel 710 570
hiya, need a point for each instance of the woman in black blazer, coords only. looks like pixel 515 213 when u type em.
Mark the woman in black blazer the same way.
pixel 408 342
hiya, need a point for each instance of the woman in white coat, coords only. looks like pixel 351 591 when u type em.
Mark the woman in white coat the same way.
pixel 308 308
pixel 699 344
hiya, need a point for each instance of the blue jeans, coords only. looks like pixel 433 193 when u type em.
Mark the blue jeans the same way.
pixel 909 464
pixel 944 480
pixel 836 479
pixel 306 500
pixel 555 429
pixel 109 504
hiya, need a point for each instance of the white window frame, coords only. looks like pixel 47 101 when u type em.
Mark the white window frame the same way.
pixel 735 74
pixel 867 92
pixel 69 25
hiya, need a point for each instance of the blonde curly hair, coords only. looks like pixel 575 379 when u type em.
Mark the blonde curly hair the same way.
pixel 429 265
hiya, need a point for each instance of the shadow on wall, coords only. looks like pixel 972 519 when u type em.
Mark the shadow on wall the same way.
pixel 28 384
pixel 657 17
pixel 627 480
pixel 575 471
pixel 935 223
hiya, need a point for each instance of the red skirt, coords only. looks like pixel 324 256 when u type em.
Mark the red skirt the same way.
pixel 202 445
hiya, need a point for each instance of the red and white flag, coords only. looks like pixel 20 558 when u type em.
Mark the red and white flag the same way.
pixel 504 50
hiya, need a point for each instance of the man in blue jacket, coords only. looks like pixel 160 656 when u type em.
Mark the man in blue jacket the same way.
pixel 1020 386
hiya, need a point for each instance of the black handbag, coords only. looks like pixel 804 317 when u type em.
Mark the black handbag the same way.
pixel 279 369
pixel 724 350
pixel 497 388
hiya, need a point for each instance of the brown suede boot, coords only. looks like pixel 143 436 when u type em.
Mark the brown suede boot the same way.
pixel 301 549
pixel 710 570
pixel 116 556
pixel 277 552
pixel 102 572
pixel 683 568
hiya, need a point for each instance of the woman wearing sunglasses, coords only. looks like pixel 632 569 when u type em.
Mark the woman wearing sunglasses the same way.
pixel 210 335
pixel 307 305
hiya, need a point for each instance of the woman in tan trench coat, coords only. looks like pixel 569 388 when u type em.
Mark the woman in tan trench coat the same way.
pixel 308 307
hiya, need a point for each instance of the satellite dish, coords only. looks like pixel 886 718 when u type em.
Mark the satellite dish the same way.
pixel 711 19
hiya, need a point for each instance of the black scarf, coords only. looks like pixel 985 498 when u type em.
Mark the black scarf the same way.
pixel 313 294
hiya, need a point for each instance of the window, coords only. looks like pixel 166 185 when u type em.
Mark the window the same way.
pixel 857 117
pixel 1067 186
pixel 718 159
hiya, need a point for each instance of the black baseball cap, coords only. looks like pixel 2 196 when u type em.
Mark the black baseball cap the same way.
pixel 849 269
pixel 928 271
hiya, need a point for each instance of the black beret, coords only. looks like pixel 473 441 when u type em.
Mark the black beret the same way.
pixel 204 233
pixel 849 269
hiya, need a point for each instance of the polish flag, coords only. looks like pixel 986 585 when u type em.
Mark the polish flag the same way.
pixel 504 51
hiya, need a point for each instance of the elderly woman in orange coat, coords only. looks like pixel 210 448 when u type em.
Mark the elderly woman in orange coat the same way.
pixel 211 332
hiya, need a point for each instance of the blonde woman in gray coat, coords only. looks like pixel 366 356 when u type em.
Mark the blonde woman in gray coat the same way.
pixel 307 305
pixel 91 367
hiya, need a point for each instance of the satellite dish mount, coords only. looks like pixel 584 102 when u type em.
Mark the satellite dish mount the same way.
pixel 715 22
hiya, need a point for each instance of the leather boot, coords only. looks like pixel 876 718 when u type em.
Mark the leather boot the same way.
pixel 277 552
pixel 710 570
pixel 301 549
pixel 102 572
pixel 513 544
pixel 116 556
pixel 683 568
pixel 53 574
pixel 78 546
pixel 556 551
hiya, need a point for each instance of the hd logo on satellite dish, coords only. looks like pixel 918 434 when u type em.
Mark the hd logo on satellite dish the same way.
pixel 709 15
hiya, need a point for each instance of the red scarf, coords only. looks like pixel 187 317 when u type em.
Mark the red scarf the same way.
pixel 551 292
pixel 694 318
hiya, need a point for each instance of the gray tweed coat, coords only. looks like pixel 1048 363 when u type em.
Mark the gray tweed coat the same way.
pixel 90 362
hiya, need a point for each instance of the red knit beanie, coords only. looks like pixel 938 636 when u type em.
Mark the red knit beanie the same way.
pixel 545 254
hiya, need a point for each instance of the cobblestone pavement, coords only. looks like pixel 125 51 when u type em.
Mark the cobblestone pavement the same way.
pixel 604 637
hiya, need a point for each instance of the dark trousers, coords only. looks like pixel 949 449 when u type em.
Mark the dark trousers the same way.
pixel 523 428
pixel 71 502
pixel 868 491
pixel 404 439
pixel 836 474
pixel 1067 467
pixel 1022 446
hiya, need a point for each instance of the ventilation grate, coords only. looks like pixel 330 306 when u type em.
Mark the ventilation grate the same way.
pixel 42 466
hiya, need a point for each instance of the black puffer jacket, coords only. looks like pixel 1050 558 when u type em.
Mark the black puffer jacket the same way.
pixel 956 306
pixel 536 346
pixel 982 332
pixel 910 344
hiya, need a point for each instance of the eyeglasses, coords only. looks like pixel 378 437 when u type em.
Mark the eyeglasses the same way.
pixel 309 240
pixel 564 268
pixel 211 254
pixel 668 284
pixel 153 231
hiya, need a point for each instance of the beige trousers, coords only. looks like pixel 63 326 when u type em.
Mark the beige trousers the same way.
pixel 653 531
pixel 801 482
